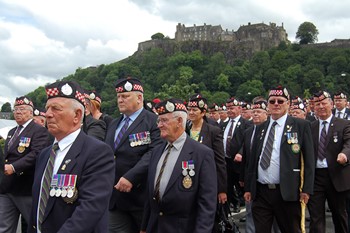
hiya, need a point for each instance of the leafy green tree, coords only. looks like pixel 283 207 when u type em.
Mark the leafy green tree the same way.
pixel 248 90
pixel 157 36
pixel 223 82
pixel 307 33
pixel 6 107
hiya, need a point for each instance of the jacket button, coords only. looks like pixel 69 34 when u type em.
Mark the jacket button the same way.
pixel 34 227
pixel 6 160
pixel 160 213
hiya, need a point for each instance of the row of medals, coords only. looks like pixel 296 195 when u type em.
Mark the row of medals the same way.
pixel 139 142
pixel 187 173
pixel 294 141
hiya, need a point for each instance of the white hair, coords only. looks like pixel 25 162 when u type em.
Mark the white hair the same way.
pixel 182 115
pixel 75 104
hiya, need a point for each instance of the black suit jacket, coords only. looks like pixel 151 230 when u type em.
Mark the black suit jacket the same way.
pixel 247 146
pixel 1 164
pixel 132 162
pixel 346 115
pixel 94 128
pixel 236 143
pixel 92 161
pixel 211 136
pixel 20 183
pixel 290 162
pixel 337 141
pixel 310 117
pixel 183 210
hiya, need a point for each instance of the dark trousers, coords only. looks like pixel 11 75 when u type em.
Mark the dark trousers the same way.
pixel 324 190
pixel 125 221
pixel 233 187
pixel 268 204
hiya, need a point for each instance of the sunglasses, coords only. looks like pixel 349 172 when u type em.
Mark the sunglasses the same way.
pixel 278 101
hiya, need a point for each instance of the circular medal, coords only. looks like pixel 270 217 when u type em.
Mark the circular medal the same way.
pixel 184 172
pixel 132 144
pixel 64 193
pixel 289 141
pixel 58 192
pixel 70 193
pixel 52 192
pixel 192 173
pixel 187 182
pixel 296 148
pixel 20 149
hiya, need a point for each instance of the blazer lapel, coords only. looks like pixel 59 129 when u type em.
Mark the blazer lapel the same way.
pixel 153 168
pixel 288 127
pixel 330 132
pixel 71 155
pixel 204 132
pixel 185 155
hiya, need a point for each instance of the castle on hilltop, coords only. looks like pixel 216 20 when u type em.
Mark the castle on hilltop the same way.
pixel 251 32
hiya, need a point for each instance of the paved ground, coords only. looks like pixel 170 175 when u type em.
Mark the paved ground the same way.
pixel 241 225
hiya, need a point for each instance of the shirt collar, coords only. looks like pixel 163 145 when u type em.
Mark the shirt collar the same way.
pixel 68 140
pixel 179 141
pixel 133 116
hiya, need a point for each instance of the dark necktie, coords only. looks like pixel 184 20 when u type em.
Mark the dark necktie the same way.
pixel 121 132
pixel 45 188
pixel 229 138
pixel 157 186
pixel 322 142
pixel 266 156
pixel 339 114
pixel 15 136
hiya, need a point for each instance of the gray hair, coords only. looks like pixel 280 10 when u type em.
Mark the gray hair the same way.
pixel 75 104
pixel 182 115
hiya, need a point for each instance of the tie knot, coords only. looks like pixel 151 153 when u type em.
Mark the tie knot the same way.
pixel 127 119
pixel 55 146
pixel 274 123
pixel 20 126
pixel 232 121
pixel 324 123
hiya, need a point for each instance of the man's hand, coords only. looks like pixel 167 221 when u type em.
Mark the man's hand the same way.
pixel 247 196
pixel 342 159
pixel 8 170
pixel 238 158
pixel 123 185
pixel 222 198
pixel 304 198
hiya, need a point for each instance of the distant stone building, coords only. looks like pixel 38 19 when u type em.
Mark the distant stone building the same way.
pixel 6 115
pixel 252 32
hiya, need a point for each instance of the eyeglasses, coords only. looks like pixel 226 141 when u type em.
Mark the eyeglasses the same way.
pixel 19 109
pixel 278 101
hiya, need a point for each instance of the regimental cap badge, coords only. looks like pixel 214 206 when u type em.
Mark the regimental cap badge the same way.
pixel 198 101
pixel 340 95
pixel 26 101
pixel 170 107
pixel 321 95
pixel 36 112
pixel 128 86
pixel 261 104
pixel 201 103
pixel 279 91
pixel 66 89
pixel 92 96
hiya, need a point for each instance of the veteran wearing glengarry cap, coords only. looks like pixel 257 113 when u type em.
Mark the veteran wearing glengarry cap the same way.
pixel 22 145
pixel 73 177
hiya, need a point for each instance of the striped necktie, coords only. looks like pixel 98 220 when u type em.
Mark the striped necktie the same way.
pixel 322 142
pixel 157 186
pixel 121 132
pixel 266 156
pixel 45 188
pixel 15 136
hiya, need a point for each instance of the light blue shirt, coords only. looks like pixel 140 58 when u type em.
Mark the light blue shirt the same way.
pixel 272 174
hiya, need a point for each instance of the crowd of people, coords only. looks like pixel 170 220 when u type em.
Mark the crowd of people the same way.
pixel 169 165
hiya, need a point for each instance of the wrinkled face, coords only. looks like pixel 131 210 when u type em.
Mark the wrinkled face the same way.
pixel 22 113
pixel 278 106
pixel 168 125
pixel 129 102
pixel 323 109
pixel 259 116
pixel 40 120
pixel 62 118
pixel 340 104
pixel 247 114
pixel 223 115
pixel 214 115
pixel 233 111
pixel 298 113
pixel 195 114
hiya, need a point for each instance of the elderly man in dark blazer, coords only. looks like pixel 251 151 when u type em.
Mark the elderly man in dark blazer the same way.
pixel 331 137
pixel 281 168
pixel 132 136
pixel 22 146
pixel 182 182
pixel 73 178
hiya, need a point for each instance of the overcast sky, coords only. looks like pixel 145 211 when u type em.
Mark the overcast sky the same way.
pixel 41 41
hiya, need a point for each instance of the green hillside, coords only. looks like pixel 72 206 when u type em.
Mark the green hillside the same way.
pixel 303 70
